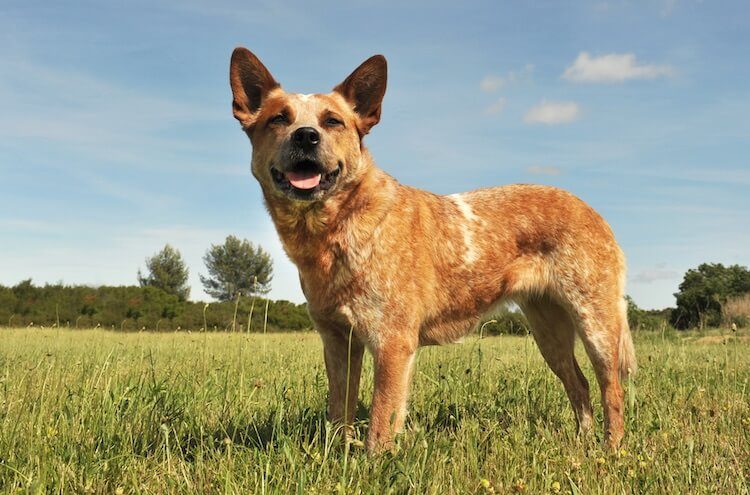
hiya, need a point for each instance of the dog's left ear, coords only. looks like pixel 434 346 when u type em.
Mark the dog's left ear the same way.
pixel 364 90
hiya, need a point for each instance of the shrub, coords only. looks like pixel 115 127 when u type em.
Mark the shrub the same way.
pixel 134 308
pixel 703 292
pixel 737 310
pixel 640 319
pixel 505 322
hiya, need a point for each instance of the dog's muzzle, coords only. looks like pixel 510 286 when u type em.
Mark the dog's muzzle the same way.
pixel 305 180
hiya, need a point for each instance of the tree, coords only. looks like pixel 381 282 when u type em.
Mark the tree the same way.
pixel 8 302
pixel 167 271
pixel 703 292
pixel 237 267
pixel 26 295
pixel 642 319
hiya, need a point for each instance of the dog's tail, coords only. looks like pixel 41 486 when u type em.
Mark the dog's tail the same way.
pixel 628 364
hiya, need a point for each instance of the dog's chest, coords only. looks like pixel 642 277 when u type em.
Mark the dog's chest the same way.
pixel 336 276
pixel 341 285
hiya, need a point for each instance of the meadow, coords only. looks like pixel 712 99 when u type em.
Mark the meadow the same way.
pixel 95 411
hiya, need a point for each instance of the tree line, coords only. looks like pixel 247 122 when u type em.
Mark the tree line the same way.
pixel 142 308
pixel 239 273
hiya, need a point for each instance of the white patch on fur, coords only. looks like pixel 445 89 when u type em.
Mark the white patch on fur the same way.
pixel 363 314
pixel 599 341
pixel 305 97
pixel 408 379
pixel 471 254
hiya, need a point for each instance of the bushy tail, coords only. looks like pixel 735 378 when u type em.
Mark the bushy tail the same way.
pixel 628 363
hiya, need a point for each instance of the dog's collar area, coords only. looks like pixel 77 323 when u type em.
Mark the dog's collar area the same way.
pixel 310 178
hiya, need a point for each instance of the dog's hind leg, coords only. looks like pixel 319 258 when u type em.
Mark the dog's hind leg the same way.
pixel 601 328
pixel 554 332
pixel 343 363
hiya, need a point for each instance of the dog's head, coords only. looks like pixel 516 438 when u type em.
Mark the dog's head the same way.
pixel 306 147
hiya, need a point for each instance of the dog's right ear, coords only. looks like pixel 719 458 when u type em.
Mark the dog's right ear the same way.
pixel 251 82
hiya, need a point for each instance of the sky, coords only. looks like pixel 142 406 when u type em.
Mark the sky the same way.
pixel 116 132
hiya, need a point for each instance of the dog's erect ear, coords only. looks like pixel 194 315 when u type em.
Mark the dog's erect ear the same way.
pixel 364 90
pixel 251 82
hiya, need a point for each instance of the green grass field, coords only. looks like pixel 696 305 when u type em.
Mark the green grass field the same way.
pixel 105 412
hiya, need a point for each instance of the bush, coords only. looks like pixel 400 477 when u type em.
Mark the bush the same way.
pixel 703 292
pixel 640 319
pixel 135 308
pixel 737 311
pixel 505 322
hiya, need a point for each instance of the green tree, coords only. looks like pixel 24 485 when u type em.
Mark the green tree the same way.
pixel 641 319
pixel 704 290
pixel 166 271
pixel 8 302
pixel 237 267
pixel 26 295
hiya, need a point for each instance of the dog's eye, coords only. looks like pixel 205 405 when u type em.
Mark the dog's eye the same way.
pixel 333 122
pixel 278 119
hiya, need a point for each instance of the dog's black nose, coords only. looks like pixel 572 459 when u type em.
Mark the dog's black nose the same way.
pixel 306 137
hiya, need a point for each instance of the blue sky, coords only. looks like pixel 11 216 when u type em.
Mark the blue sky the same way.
pixel 116 134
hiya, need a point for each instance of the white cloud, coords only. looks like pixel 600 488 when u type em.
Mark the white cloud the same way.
pixel 543 170
pixel 612 68
pixel 496 107
pixel 553 112
pixel 667 7
pixel 492 82
pixel 653 274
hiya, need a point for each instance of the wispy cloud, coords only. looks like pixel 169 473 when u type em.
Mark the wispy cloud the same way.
pixel 664 8
pixel 543 170
pixel 612 68
pixel 493 82
pixel 553 112
pixel 496 107
pixel 653 274
pixel 30 226
pixel 667 7
pixel 78 110
pixel 126 192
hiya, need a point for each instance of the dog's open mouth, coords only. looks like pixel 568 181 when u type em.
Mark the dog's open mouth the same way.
pixel 306 179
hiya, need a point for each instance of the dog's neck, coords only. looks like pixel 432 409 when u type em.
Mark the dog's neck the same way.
pixel 312 233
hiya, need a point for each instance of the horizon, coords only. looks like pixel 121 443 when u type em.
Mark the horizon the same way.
pixel 117 137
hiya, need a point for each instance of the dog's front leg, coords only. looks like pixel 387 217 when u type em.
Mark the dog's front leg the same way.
pixel 343 362
pixel 394 363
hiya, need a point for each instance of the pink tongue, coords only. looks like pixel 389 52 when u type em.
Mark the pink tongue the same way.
pixel 303 180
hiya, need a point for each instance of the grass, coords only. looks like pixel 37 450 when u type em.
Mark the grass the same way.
pixel 106 412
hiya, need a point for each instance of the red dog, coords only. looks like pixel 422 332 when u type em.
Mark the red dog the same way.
pixel 401 267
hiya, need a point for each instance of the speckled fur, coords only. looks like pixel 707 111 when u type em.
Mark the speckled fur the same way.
pixel 401 267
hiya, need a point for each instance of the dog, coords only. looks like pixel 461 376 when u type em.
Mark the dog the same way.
pixel 389 268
